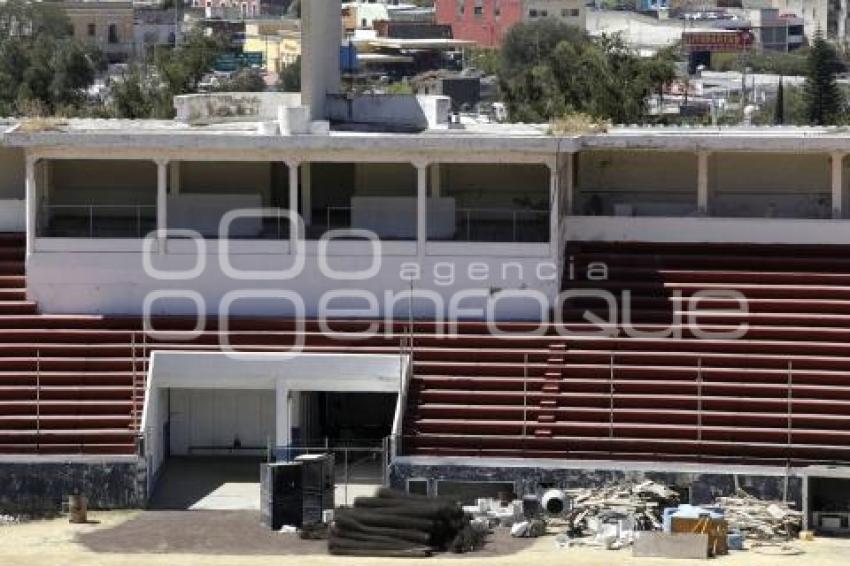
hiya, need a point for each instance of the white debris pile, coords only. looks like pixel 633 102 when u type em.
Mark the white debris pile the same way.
pixel 529 529
pixel 612 514
pixel 9 520
pixel 758 519
pixel 495 513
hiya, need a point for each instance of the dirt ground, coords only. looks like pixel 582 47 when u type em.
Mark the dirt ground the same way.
pixel 177 538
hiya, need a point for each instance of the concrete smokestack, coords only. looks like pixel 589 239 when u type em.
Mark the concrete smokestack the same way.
pixel 321 37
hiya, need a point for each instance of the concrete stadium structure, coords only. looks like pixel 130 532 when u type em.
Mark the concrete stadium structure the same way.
pixel 494 303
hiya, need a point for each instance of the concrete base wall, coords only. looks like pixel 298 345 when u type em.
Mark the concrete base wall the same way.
pixel 399 111
pixel 38 488
pixel 216 108
pixel 704 486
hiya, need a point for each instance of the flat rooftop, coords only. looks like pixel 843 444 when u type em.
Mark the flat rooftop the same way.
pixel 475 136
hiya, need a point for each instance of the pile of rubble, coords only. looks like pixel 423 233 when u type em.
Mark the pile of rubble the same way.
pixel 758 519
pixel 629 507
pixel 10 519
pixel 615 516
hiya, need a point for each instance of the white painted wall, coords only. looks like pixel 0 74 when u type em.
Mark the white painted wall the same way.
pixel 707 230
pixel 205 418
pixel 213 394
pixel 117 283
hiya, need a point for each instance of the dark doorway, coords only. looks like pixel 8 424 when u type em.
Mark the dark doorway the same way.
pixel 346 419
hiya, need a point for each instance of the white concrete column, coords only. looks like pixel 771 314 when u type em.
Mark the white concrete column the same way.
pixel 321 30
pixel 162 203
pixel 703 204
pixel 554 209
pixel 294 235
pixel 837 161
pixel 436 187
pixel 306 194
pixel 174 170
pixel 31 204
pixel 421 206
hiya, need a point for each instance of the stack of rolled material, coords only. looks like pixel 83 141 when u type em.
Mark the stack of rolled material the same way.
pixel 396 524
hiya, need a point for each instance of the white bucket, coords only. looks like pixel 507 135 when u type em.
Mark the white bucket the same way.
pixel 293 119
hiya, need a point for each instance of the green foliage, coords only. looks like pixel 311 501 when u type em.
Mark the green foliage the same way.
pixel 779 108
pixel 794 111
pixel 771 62
pixel 147 91
pixel 399 88
pixel 42 69
pixel 824 101
pixel 246 80
pixel 549 69
pixel 182 68
pixel 484 59
pixel 136 94
pixel 290 77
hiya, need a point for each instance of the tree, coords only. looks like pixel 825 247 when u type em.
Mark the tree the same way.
pixel 824 102
pixel 548 69
pixel 42 68
pixel 137 95
pixel 484 59
pixel 290 77
pixel 246 80
pixel 182 68
pixel 779 113
pixel 661 71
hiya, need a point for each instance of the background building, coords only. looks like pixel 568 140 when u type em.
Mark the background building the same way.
pixel 487 21
pixel 104 24
pixel 229 8
pixel 278 40
pixel 154 27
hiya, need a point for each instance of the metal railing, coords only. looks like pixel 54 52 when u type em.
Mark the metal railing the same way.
pixel 97 220
pixel 354 465
pixel 610 436
pixel 138 220
pixel 724 203
pixel 489 225
pixel 473 224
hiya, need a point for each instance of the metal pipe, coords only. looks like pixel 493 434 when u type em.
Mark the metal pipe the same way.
pixel 525 397
pixel 611 403
pixel 790 405
pixel 38 400
pixel 699 402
